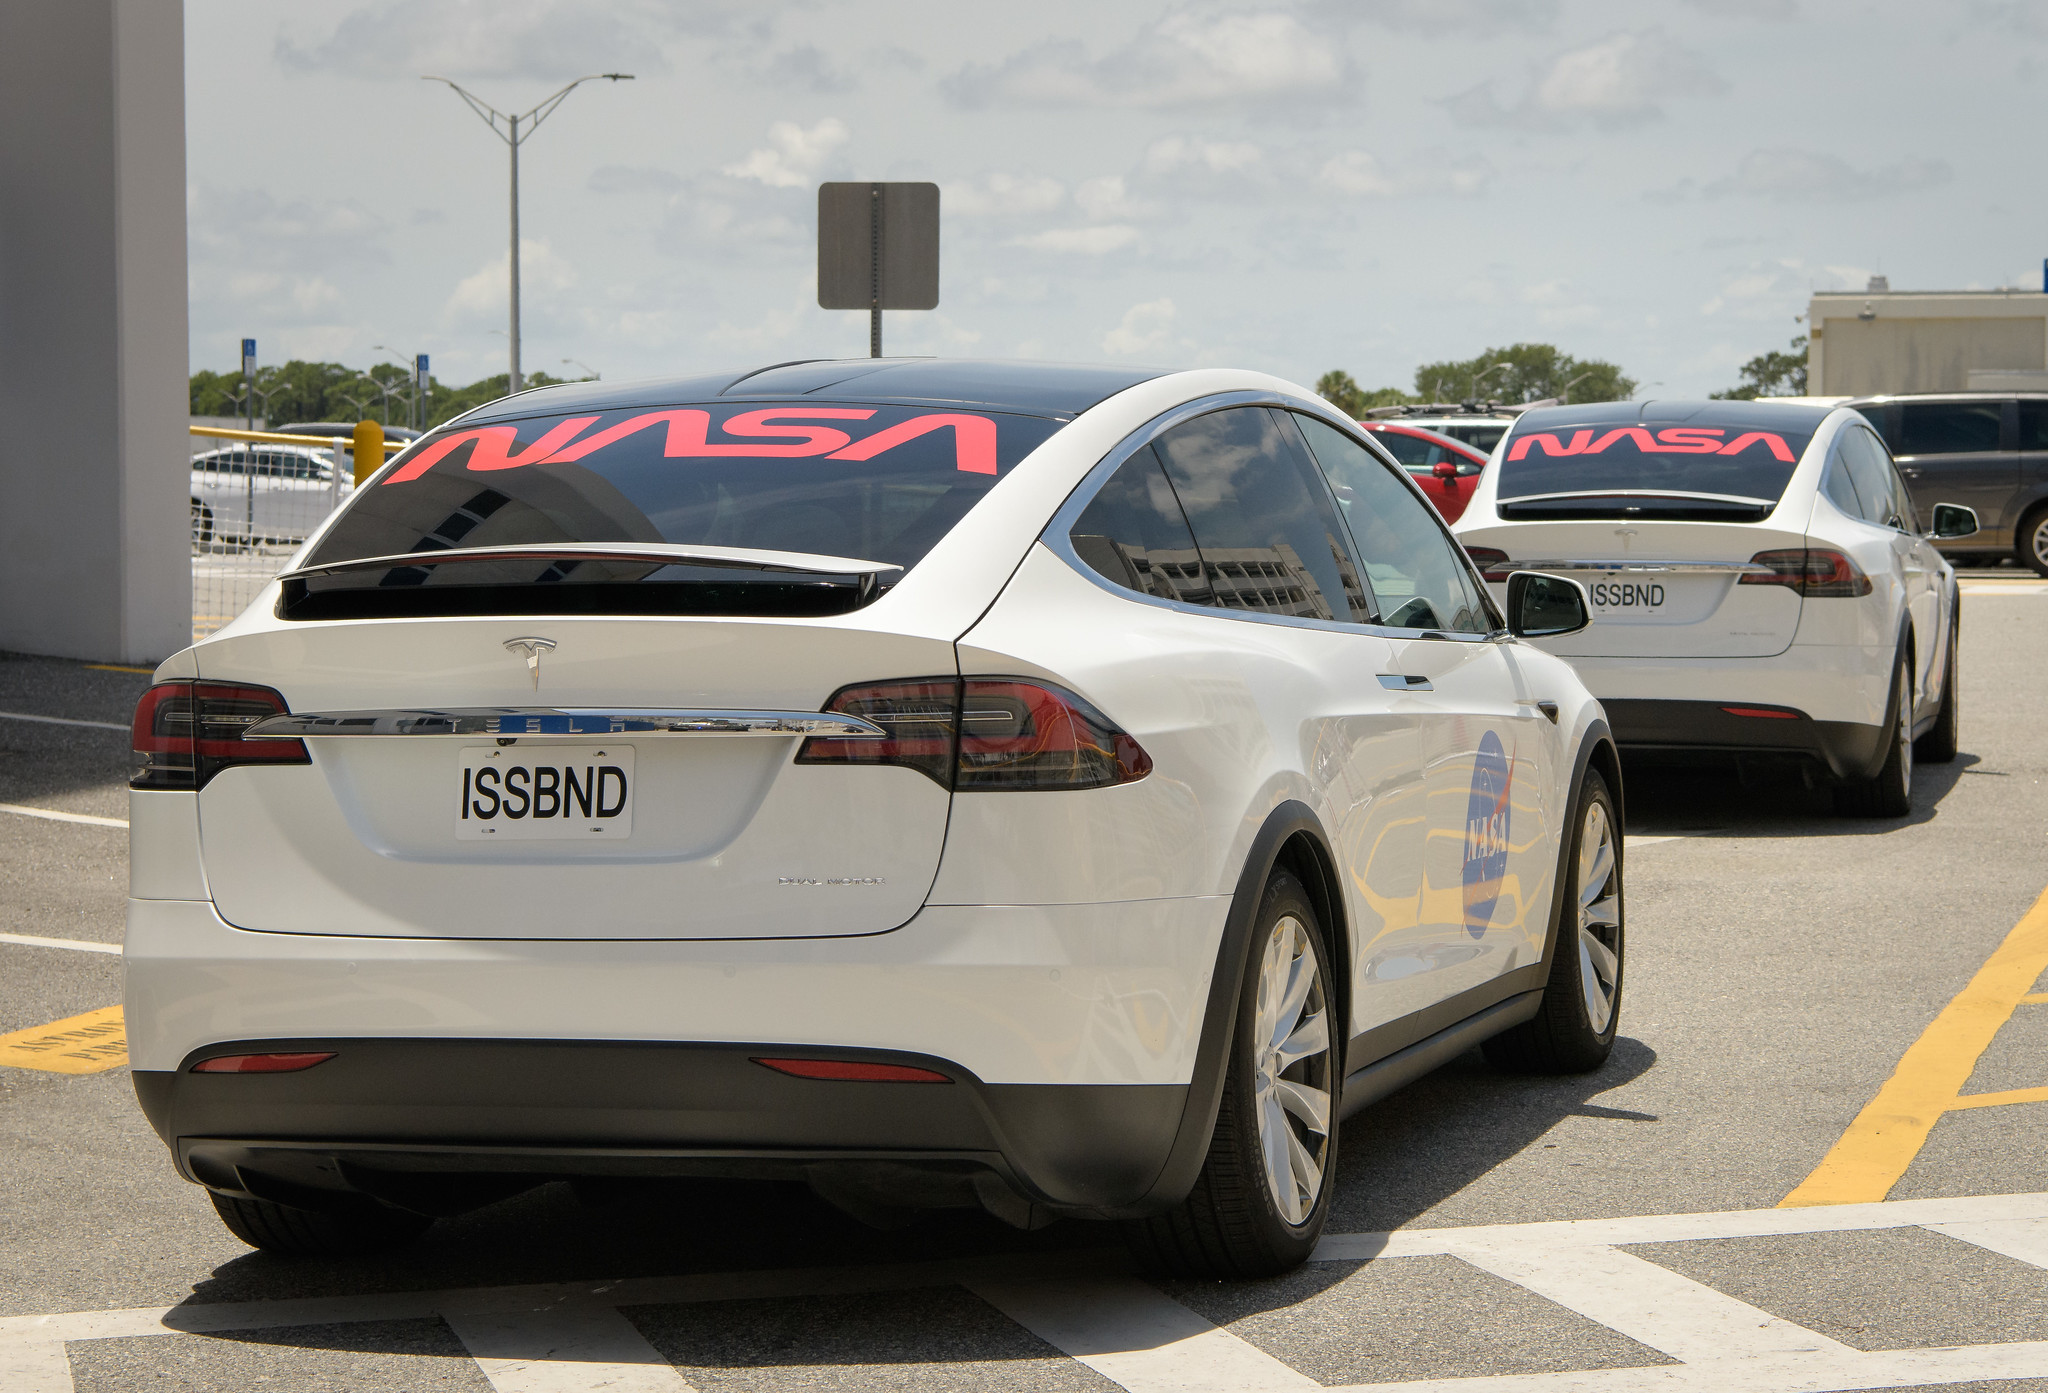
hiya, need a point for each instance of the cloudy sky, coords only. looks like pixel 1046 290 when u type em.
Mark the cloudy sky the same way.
pixel 1286 186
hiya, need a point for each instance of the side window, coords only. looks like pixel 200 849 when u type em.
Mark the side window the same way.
pixel 1837 484
pixel 1413 567
pixel 1268 529
pixel 2034 425
pixel 1877 484
pixel 1135 534
pixel 1411 450
pixel 1948 427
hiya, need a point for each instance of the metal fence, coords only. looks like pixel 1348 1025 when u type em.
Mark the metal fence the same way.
pixel 255 498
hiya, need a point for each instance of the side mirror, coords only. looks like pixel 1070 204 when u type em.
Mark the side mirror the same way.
pixel 1541 606
pixel 1954 520
pixel 1445 469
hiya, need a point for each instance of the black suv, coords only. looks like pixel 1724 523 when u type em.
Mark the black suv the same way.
pixel 1986 450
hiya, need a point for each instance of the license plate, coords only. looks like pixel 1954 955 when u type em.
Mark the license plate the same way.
pixel 545 793
pixel 1626 596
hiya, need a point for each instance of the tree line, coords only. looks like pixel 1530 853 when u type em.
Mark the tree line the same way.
pixel 303 391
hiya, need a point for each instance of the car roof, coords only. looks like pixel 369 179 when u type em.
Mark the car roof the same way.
pixel 1424 433
pixel 1038 389
pixel 1733 414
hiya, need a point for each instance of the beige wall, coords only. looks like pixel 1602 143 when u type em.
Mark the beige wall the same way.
pixel 1926 355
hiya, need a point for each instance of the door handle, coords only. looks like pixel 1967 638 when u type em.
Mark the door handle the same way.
pixel 1400 682
pixel 1548 708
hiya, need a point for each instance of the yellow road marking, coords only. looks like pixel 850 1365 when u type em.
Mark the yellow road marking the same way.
pixel 118 667
pixel 83 1044
pixel 1885 1137
pixel 1999 1100
pixel 2034 999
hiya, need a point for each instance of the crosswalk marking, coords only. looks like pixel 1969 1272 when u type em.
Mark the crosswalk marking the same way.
pixel 572 1337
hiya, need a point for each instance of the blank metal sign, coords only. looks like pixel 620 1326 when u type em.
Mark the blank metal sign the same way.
pixel 855 222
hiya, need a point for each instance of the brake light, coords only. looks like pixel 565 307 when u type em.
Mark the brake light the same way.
pixel 1815 572
pixel 983 733
pixel 261 1063
pixel 186 732
pixel 852 1071
pixel 1492 563
pixel 1765 713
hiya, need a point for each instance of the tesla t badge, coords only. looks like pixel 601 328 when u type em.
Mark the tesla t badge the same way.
pixel 532 648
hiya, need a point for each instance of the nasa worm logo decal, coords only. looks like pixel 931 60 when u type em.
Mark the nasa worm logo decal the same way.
pixel 1486 833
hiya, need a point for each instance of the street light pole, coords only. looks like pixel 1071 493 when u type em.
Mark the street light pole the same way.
pixel 513 137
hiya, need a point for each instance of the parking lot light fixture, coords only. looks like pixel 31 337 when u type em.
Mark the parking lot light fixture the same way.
pixel 514 136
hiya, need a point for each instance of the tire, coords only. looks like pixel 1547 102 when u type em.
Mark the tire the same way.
pixel 2031 542
pixel 1573 1029
pixel 202 525
pixel 1890 792
pixel 1243 1218
pixel 1939 744
pixel 361 1227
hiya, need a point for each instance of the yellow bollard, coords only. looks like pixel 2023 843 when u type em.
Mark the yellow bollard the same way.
pixel 369 449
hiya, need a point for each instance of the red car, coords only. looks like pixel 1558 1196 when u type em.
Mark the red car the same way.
pixel 1447 469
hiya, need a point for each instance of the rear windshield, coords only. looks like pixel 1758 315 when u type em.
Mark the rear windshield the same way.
pixel 872 483
pixel 1603 469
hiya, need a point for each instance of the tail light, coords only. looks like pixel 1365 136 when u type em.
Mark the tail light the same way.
pixel 1815 572
pixel 852 1071
pixel 1492 563
pixel 984 733
pixel 186 732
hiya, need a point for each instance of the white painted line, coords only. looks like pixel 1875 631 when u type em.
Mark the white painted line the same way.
pixel 61 721
pixel 564 1350
pixel 81 945
pixel 1784 1373
pixel 1680 1228
pixel 1629 841
pixel 1138 1337
pixel 2024 1239
pixel 54 816
pixel 1651 1305
pixel 2004 588
pixel 34 1366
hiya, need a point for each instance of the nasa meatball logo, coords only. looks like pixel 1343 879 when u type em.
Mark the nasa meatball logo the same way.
pixel 1486 833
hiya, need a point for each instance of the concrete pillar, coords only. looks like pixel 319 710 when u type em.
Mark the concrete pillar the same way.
pixel 94 532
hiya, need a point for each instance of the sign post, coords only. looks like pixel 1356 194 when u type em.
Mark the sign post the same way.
pixel 249 378
pixel 878 249
pixel 419 392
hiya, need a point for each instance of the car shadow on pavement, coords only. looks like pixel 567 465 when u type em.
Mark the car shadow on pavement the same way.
pixel 1767 799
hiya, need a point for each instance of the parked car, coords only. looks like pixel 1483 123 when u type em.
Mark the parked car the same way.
pixel 1477 424
pixel 257 494
pixel 1444 469
pixel 343 429
pixel 1985 450
pixel 1760 579
pixel 944 783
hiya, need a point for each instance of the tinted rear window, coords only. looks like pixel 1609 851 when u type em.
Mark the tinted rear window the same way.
pixel 1604 459
pixel 877 483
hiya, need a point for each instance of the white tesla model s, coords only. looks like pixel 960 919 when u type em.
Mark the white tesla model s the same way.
pixel 1060 790
pixel 1760 584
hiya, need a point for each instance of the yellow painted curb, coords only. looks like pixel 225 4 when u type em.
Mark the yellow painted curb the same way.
pixel 83 1044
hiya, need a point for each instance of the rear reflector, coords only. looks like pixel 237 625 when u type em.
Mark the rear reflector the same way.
pixel 1814 572
pixel 260 1063
pixel 984 733
pixel 1765 713
pixel 186 732
pixel 852 1071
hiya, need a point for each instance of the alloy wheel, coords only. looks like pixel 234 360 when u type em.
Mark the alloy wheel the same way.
pixel 1291 1070
pixel 1599 914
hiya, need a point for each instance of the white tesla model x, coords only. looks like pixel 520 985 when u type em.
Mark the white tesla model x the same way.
pixel 1760 584
pixel 943 783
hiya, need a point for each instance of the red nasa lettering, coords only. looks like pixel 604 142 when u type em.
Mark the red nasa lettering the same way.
pixel 1672 440
pixel 770 433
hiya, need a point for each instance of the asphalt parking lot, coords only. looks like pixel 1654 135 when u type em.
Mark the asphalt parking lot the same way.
pixel 1847 1015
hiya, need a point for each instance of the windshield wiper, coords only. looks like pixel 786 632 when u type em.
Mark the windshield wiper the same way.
pixel 652 553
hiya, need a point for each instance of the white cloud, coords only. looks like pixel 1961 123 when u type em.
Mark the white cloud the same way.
pixel 793 155
pixel 545 40
pixel 1145 328
pixel 1105 197
pixel 1003 195
pixel 1799 176
pixel 1360 172
pixel 1082 241
pixel 1623 79
pixel 1174 154
pixel 1439 18
pixel 1188 60
pixel 1356 171
pixel 482 294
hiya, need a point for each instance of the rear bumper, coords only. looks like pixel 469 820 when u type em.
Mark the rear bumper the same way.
pixel 1830 683
pixel 1649 727
pixel 440 1125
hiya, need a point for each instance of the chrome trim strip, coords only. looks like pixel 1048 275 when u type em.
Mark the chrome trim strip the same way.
pixel 1743 568
pixel 661 553
pixel 511 722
